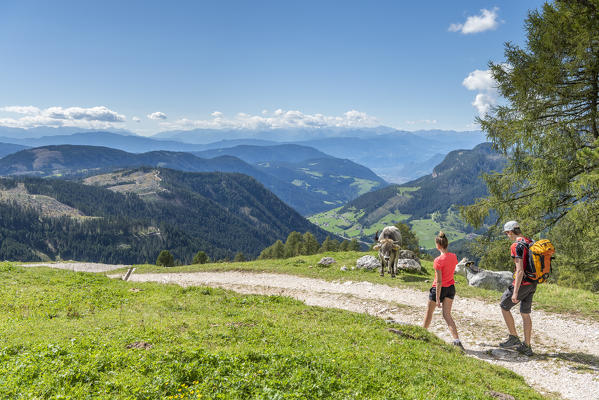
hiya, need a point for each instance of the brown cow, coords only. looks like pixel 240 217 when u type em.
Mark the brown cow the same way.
pixel 388 247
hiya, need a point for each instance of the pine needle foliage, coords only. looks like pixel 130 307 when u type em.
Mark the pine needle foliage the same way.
pixel 548 128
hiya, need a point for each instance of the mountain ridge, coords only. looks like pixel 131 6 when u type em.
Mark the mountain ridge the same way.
pixel 306 186
pixel 220 213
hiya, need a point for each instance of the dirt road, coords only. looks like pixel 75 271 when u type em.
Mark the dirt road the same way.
pixel 567 349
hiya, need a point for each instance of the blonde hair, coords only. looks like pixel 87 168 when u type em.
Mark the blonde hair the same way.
pixel 441 240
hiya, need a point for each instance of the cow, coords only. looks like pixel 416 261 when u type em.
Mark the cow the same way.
pixel 388 247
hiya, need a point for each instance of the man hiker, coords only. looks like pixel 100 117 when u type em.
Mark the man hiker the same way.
pixel 520 291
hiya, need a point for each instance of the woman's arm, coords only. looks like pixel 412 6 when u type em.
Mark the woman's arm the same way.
pixel 439 287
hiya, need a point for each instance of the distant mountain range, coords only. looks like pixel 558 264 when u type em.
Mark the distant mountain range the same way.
pixel 309 184
pixel 399 156
pixel 20 133
pixel 129 216
pixel 396 156
pixel 205 136
pixel 130 143
pixel 265 153
pixel 427 203
pixel 9 148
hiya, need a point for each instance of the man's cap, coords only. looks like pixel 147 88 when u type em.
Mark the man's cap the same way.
pixel 510 225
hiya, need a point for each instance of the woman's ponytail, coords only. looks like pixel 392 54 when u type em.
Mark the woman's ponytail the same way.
pixel 441 240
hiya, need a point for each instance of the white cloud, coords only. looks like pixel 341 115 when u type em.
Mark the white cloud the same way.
pixel 278 119
pixel 157 115
pixel 90 118
pixel 87 114
pixel 479 80
pixel 21 109
pixel 483 82
pixel 483 102
pixel 487 20
pixel 422 121
pixel 136 119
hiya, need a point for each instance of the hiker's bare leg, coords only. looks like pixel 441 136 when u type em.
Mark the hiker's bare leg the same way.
pixel 527 321
pixel 509 321
pixel 428 317
pixel 447 303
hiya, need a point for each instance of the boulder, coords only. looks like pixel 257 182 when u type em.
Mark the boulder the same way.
pixel 326 261
pixel 407 254
pixel 368 262
pixel 408 264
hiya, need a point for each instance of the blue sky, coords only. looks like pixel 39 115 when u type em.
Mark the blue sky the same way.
pixel 151 66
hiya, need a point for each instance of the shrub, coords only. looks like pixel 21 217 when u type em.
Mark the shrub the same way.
pixel 165 259
pixel 200 258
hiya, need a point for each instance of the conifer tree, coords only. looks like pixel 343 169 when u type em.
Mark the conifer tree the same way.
pixel 548 128
pixel 409 241
pixel 310 244
pixel 278 250
pixel 292 244
pixel 334 245
pixel 326 245
pixel 266 253
pixel 354 245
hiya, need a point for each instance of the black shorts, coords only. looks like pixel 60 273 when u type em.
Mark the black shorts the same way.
pixel 524 295
pixel 448 292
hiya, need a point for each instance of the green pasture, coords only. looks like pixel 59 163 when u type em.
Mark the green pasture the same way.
pixel 66 335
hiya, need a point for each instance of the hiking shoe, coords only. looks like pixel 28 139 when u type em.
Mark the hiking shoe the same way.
pixel 525 349
pixel 512 342
pixel 459 344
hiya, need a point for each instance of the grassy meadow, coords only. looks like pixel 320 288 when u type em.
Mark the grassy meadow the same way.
pixel 66 335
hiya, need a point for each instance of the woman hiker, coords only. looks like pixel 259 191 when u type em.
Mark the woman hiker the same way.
pixel 443 298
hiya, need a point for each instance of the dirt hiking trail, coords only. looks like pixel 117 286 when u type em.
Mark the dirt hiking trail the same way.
pixel 566 360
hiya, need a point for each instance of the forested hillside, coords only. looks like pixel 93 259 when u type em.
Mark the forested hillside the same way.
pixel 9 148
pixel 140 212
pixel 425 203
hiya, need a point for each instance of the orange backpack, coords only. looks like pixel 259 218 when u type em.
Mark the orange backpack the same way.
pixel 540 254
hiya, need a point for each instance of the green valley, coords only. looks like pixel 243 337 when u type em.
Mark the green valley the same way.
pixel 428 204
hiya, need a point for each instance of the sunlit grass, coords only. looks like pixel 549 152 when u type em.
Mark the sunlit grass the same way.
pixel 84 336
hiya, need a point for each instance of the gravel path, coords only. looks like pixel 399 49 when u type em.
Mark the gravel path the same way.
pixel 79 267
pixel 567 349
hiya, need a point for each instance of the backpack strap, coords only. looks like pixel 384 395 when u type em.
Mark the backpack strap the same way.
pixel 529 273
